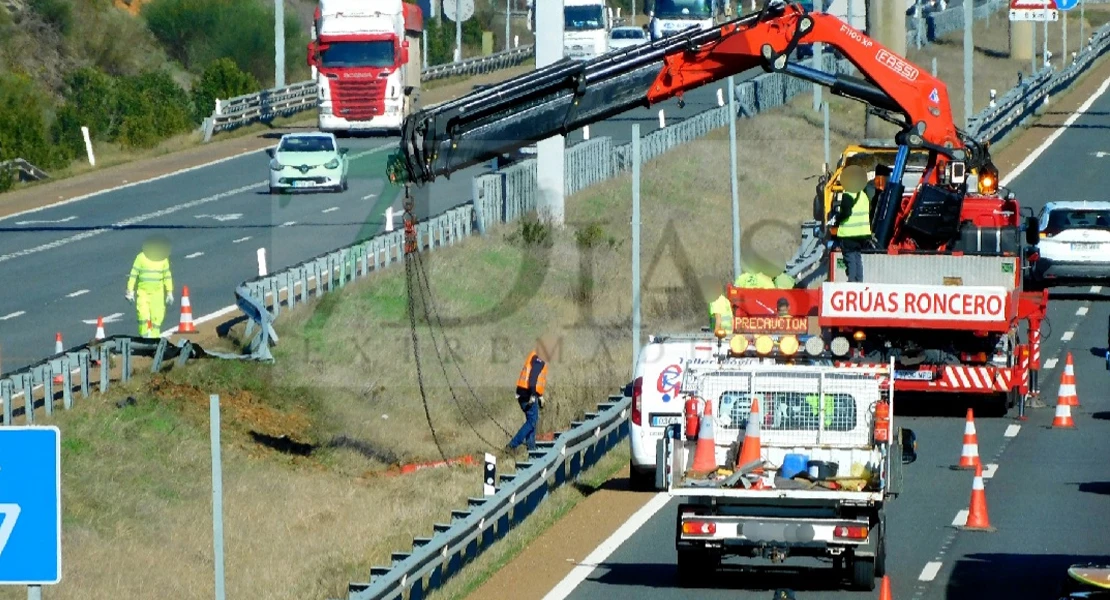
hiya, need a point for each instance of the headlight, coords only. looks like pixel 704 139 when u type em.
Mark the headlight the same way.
pixel 332 164
pixel 275 165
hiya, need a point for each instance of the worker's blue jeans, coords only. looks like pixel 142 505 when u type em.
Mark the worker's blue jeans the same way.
pixel 527 433
pixel 853 261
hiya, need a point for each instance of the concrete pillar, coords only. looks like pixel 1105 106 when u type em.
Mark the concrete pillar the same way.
pixel 551 157
pixel 1021 40
pixel 894 29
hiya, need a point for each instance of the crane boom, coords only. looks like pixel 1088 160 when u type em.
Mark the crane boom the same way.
pixel 445 138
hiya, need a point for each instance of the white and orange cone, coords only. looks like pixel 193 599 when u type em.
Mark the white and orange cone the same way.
pixel 58 349
pixel 186 324
pixel 884 589
pixel 1063 418
pixel 977 518
pixel 1067 394
pixel 752 449
pixel 100 329
pixel 705 453
pixel 969 456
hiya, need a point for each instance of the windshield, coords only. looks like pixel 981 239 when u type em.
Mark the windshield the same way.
pixel 316 143
pixel 628 34
pixel 378 53
pixel 917 161
pixel 583 18
pixel 1077 218
pixel 683 9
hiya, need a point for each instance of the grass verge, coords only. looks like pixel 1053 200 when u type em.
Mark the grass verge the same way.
pixel 308 439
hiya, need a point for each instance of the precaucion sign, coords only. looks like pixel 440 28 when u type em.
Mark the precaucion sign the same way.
pixel 30 506
pixel 1034 10
pixel 916 302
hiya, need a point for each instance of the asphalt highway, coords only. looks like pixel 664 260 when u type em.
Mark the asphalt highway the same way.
pixel 1048 490
pixel 66 265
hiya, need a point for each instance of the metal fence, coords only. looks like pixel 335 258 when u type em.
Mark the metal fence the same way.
pixel 281 102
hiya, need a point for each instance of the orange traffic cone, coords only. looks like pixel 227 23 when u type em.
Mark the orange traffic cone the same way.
pixel 186 324
pixel 1063 415
pixel 884 589
pixel 969 457
pixel 1067 393
pixel 705 453
pixel 977 519
pixel 58 349
pixel 752 450
pixel 100 329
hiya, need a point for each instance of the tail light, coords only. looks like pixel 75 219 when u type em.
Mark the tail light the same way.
pixel 699 528
pixel 851 533
pixel 637 388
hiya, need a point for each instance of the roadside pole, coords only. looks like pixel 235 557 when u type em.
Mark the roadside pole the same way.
pixel 217 495
pixel 635 244
pixel 828 152
pixel 969 66
pixel 732 167
pixel 279 43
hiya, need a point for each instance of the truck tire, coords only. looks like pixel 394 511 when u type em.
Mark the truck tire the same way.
pixel 863 573
pixel 695 567
pixel 880 555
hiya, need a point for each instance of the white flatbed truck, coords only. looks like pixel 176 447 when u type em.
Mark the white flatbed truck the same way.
pixel 832 508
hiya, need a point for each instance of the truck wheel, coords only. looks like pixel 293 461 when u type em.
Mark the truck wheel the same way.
pixel 880 557
pixel 695 567
pixel 640 481
pixel 863 573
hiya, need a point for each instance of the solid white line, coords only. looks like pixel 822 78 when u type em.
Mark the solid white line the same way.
pixel 580 572
pixel 988 470
pixel 1082 310
pixel 1012 431
pixel 240 240
pixel 930 571
pixel 194 255
pixel 13 315
pixel 77 293
pixel 328 210
pixel 131 221
pixel 1067 336
pixel 961 519
pixel 1050 363
pixel 287 224
pixel 65 220
pixel 1035 154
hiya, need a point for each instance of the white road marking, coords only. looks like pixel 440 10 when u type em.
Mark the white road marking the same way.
pixel 65 220
pixel 1012 431
pixel 1036 153
pixel 77 293
pixel 1082 310
pixel 112 318
pixel 930 571
pixel 240 240
pixel 328 210
pixel 287 224
pixel 1096 289
pixel 126 222
pixel 194 255
pixel 1067 336
pixel 961 519
pixel 581 571
pixel 368 196
pixel 1050 363
pixel 988 470
pixel 13 315
pixel 221 218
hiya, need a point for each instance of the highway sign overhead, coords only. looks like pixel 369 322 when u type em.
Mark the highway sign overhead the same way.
pixel 30 506
pixel 1034 10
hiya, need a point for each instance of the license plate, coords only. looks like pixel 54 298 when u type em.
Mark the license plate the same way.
pixel 300 184
pixel 914 375
pixel 664 420
pixel 1086 246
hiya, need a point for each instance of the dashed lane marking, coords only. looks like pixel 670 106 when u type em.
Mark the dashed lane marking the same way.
pixel 1096 289
pixel 240 240
pixel 1012 431
pixel 77 293
pixel 961 519
pixel 1067 336
pixel 368 196
pixel 194 255
pixel 13 315
pixel 1082 310
pixel 287 224
pixel 328 210
pixel 988 470
pixel 1050 363
pixel 930 571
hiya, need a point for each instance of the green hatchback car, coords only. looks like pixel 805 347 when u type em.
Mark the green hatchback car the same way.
pixel 308 161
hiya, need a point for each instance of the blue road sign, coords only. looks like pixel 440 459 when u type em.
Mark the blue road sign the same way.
pixel 1066 4
pixel 30 505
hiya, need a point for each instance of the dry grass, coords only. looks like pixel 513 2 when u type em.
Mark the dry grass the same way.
pixel 345 383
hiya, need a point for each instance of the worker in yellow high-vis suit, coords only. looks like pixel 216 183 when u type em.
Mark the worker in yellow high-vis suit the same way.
pixel 150 286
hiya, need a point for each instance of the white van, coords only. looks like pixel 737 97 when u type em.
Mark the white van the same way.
pixel 655 393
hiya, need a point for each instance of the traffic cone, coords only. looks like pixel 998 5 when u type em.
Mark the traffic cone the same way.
pixel 186 323
pixel 58 349
pixel 100 329
pixel 977 519
pixel 751 450
pixel 1063 415
pixel 969 457
pixel 705 453
pixel 884 589
pixel 1067 393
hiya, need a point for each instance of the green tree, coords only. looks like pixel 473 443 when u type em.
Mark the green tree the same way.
pixel 24 132
pixel 152 107
pixel 221 79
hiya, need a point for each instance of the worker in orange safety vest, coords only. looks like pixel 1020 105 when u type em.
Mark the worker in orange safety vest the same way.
pixel 530 386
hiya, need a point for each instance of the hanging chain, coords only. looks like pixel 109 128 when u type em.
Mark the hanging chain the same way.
pixel 410 221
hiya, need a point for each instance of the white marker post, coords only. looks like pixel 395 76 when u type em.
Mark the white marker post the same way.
pixel 489 486
pixel 586 132
pixel 217 495
pixel 720 97
pixel 261 262
pixel 389 219
pixel 662 119
pixel 88 145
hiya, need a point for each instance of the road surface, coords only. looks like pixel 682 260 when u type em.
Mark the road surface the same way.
pixel 1048 490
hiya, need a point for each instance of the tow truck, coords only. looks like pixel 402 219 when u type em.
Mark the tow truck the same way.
pixel 942 292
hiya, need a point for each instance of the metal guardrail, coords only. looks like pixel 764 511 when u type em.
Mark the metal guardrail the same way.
pixel 268 104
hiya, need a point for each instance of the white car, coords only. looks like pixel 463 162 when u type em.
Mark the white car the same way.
pixel 623 37
pixel 1074 245
pixel 308 161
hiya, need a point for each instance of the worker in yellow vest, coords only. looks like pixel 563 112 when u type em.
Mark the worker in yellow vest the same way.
pixel 851 216
pixel 150 285
pixel 722 308
pixel 815 409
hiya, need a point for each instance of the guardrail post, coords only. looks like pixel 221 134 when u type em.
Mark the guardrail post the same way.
pixel 994 95
pixel 125 354
pixel 105 360
pixel 29 396
pixel 6 396
pixel 84 362
pixel 67 386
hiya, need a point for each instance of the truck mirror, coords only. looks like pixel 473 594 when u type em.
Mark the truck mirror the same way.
pixel 408 90
pixel 270 152
pixel 344 151
pixel 628 390
pixel 909 445
pixel 311 58
pixel 1032 231
pixel 1027 211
